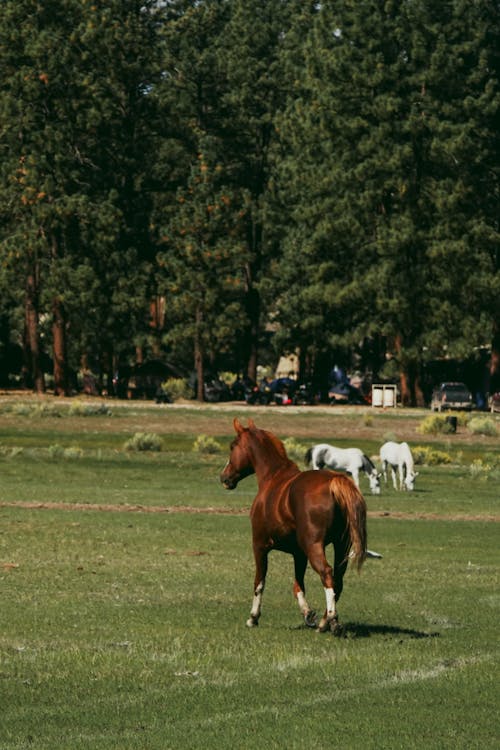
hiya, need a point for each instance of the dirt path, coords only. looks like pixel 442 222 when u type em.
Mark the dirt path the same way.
pixel 225 511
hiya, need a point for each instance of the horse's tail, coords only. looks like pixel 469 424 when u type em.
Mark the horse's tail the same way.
pixel 308 456
pixel 353 505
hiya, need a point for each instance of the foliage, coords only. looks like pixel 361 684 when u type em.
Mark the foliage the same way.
pixel 177 388
pixel 144 441
pixel 424 454
pixel 295 449
pixel 435 424
pixel 206 445
pixel 315 174
pixel 82 409
pixel 483 426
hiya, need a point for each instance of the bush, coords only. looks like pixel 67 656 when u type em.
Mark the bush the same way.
pixel 483 426
pixel 206 445
pixel 295 450
pixel 422 454
pixel 435 424
pixel 82 409
pixel 227 377
pixel 368 419
pixel 177 388
pixel 56 451
pixel 144 441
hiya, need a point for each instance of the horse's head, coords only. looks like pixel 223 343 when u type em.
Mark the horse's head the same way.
pixel 374 479
pixel 240 462
pixel 409 480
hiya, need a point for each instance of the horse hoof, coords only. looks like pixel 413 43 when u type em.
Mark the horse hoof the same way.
pixel 323 626
pixel 311 619
pixel 251 623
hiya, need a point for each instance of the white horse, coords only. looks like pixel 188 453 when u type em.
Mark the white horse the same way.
pixel 398 456
pixel 352 460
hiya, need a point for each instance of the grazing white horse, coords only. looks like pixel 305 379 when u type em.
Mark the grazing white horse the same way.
pixel 398 456
pixel 352 460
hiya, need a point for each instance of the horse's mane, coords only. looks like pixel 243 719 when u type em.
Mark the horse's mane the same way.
pixel 368 463
pixel 276 443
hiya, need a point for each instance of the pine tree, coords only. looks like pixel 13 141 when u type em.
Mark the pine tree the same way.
pixel 75 100
pixel 384 198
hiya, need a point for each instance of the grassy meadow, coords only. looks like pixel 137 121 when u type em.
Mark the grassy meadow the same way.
pixel 126 579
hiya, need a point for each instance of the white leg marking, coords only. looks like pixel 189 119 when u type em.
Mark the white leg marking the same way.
pixel 303 605
pixel 330 613
pixel 256 606
pixel 330 604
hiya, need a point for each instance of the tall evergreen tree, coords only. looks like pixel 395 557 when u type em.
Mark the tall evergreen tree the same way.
pixel 76 80
pixel 382 210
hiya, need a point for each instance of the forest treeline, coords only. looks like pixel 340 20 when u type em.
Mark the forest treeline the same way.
pixel 215 182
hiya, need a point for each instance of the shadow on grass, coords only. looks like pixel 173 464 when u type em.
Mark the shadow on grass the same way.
pixel 364 630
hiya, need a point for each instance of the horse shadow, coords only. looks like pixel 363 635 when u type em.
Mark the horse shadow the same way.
pixel 366 630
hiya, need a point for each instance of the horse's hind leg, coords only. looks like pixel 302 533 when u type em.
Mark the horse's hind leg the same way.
pixel 299 591
pixel 319 563
pixel 259 583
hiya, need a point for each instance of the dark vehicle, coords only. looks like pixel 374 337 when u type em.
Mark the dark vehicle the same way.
pixel 345 393
pixel 451 396
pixel 258 394
pixel 495 403
pixel 283 390
pixel 215 390
pixel 305 395
pixel 340 390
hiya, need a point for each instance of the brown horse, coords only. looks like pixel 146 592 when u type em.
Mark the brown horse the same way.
pixel 299 512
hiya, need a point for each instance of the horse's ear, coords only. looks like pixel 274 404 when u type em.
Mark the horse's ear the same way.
pixel 238 426
pixel 251 424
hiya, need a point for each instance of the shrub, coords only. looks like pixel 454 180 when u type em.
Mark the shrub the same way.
pixel 483 426
pixel 206 445
pixel 430 456
pixel 177 388
pixel 479 469
pixel 227 377
pixel 295 450
pixel 144 441
pixel 389 436
pixel 435 424
pixel 56 451
pixel 82 409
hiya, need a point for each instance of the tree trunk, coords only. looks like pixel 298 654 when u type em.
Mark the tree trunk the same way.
pixel 494 374
pixel 198 359
pixel 253 315
pixel 31 345
pixel 409 378
pixel 61 380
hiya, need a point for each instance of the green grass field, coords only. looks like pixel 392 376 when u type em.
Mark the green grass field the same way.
pixel 125 629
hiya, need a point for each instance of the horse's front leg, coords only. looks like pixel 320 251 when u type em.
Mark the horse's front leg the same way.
pixel 401 471
pixel 260 555
pixel 355 476
pixel 299 590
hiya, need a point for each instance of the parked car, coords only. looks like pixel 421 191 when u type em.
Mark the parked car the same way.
pixel 495 403
pixel 451 396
